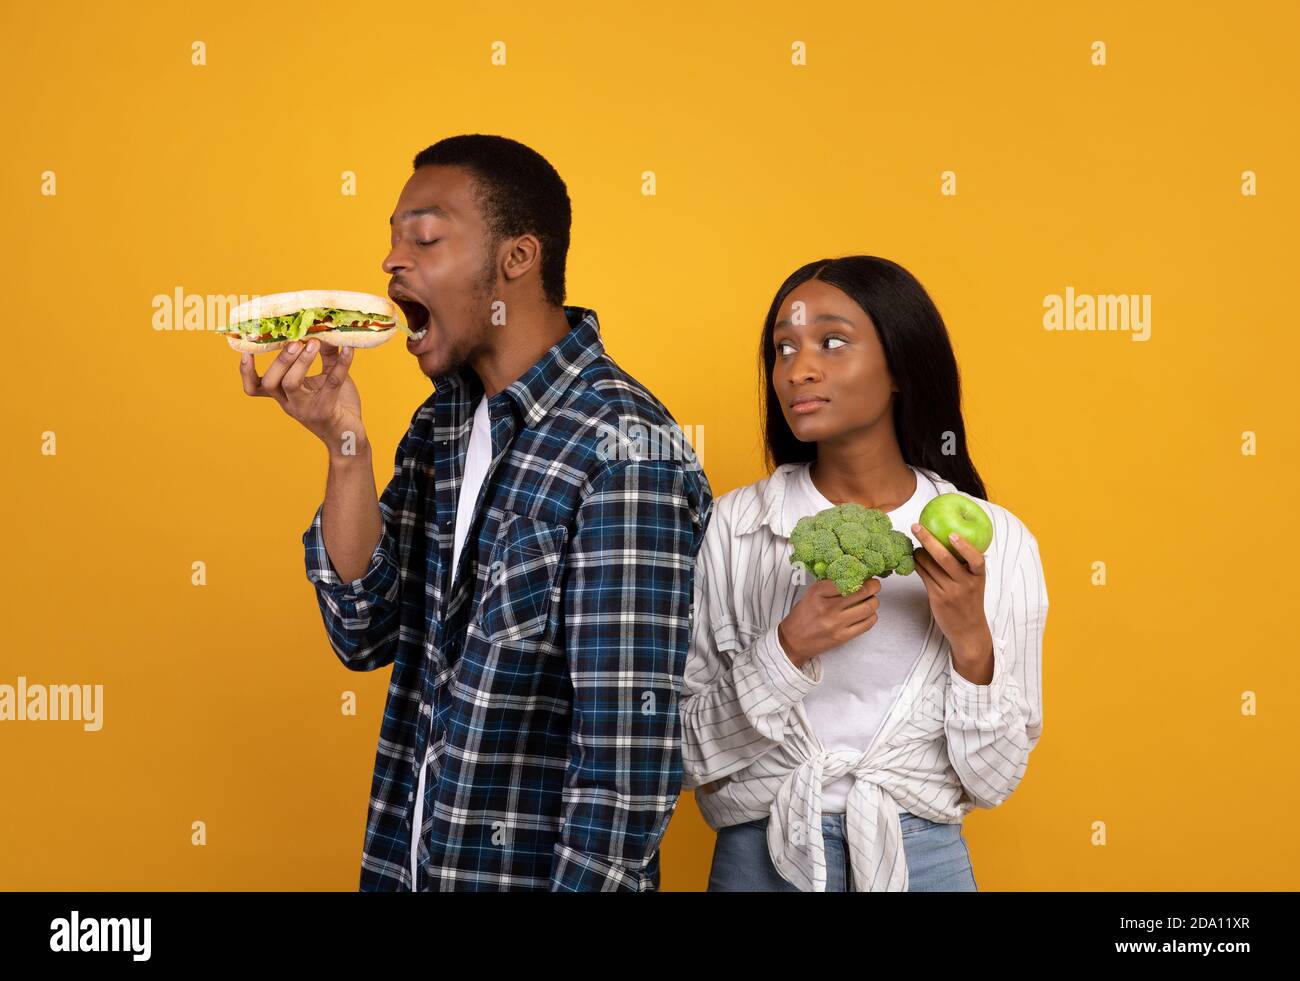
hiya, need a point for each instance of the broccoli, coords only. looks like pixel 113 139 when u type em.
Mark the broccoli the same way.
pixel 850 543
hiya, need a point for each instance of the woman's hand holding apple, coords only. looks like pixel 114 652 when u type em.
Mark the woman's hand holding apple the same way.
pixel 955 590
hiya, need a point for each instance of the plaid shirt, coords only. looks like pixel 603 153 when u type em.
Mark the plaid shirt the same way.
pixel 549 678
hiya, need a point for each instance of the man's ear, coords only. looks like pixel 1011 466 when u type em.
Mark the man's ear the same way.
pixel 522 254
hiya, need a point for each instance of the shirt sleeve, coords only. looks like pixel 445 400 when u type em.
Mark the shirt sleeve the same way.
pixel 992 728
pixel 740 686
pixel 361 616
pixel 627 609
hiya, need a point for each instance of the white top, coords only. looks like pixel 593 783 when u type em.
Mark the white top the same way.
pixel 946 746
pixel 477 459
pixel 861 678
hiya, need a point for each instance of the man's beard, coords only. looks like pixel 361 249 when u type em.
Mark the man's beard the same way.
pixel 485 287
pixel 483 292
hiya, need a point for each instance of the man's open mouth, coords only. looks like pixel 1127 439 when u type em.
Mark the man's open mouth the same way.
pixel 414 312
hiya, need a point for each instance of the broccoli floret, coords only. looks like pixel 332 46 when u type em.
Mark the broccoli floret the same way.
pixel 803 527
pixel 879 522
pixel 894 546
pixel 812 546
pixel 874 562
pixel 855 514
pixel 861 540
pixel 847 573
pixel 850 543
pixel 854 538
pixel 828 520
pixel 824 546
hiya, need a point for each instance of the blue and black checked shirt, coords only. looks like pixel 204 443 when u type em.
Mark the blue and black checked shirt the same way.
pixel 549 678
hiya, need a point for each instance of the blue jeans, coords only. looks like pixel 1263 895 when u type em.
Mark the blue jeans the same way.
pixel 937 858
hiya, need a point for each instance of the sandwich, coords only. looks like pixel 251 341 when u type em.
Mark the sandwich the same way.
pixel 339 317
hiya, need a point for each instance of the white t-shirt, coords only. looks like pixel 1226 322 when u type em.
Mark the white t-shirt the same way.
pixel 862 678
pixel 477 459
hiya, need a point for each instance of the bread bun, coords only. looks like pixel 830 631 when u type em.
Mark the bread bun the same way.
pixel 339 338
pixel 279 304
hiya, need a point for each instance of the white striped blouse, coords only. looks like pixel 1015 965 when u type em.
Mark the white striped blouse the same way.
pixel 945 747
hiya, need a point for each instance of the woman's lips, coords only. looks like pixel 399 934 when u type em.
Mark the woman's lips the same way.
pixel 805 407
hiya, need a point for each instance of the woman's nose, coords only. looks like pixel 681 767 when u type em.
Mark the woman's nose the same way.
pixel 804 369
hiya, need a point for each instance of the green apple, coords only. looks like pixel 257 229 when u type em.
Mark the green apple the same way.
pixel 947 513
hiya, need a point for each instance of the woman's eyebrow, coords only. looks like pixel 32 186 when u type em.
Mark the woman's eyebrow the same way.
pixel 818 319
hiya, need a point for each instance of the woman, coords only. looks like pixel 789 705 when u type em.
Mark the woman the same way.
pixel 837 742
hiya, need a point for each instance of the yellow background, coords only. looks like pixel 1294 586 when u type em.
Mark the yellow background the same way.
pixel 221 703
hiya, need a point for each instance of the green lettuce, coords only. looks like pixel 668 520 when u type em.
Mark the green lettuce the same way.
pixel 293 326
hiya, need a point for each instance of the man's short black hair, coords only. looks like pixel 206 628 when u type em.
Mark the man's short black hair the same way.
pixel 518 191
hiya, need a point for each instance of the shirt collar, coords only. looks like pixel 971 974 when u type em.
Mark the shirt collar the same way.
pixel 772 512
pixel 535 391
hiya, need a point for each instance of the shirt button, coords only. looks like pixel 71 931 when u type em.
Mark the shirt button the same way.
pixel 410 797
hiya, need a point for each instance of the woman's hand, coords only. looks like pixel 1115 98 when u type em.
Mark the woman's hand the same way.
pixel 956 590
pixel 823 619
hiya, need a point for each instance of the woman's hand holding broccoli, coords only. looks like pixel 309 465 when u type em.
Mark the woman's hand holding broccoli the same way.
pixel 823 619
pixel 848 549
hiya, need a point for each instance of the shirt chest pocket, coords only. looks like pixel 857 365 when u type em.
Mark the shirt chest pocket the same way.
pixel 523 579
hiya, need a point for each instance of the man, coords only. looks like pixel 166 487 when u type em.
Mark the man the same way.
pixel 528 571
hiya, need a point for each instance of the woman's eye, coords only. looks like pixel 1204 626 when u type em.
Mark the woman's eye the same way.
pixel 430 242
pixel 840 339
pixel 780 345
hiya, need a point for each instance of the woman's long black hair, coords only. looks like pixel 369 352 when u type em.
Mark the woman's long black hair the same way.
pixel 918 353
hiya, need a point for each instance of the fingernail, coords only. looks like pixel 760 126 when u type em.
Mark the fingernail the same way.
pixel 294 347
pixel 953 537
pixel 243 358
pixel 311 346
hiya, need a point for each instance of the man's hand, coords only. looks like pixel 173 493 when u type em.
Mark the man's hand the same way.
pixel 327 404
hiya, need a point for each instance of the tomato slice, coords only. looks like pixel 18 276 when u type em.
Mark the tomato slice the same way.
pixel 322 325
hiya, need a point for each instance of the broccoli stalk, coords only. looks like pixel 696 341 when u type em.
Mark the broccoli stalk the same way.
pixel 850 543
